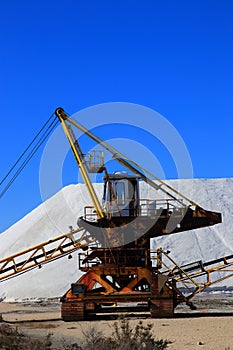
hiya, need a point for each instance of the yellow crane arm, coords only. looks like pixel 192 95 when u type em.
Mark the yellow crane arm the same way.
pixel 133 166
pixel 81 164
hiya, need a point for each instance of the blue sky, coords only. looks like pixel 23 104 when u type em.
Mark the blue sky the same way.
pixel 175 57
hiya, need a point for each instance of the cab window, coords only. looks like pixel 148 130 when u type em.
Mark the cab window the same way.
pixel 120 192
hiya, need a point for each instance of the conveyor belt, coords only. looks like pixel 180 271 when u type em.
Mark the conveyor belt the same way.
pixel 43 253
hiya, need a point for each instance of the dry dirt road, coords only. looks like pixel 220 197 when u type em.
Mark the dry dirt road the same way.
pixel 210 327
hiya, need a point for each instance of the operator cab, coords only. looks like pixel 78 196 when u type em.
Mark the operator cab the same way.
pixel 121 194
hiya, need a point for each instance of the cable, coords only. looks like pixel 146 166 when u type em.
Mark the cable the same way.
pixel 44 136
pixel 21 156
pixel 31 154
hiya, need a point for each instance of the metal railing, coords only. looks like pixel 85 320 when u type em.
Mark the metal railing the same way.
pixel 143 207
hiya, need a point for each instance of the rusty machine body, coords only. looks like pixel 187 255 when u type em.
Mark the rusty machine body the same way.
pixel 120 270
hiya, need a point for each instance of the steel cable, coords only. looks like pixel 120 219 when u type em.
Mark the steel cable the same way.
pixel 35 148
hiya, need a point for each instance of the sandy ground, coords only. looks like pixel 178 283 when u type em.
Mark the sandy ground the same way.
pixel 210 327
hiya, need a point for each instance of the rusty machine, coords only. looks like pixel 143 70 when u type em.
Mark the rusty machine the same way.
pixel 120 270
